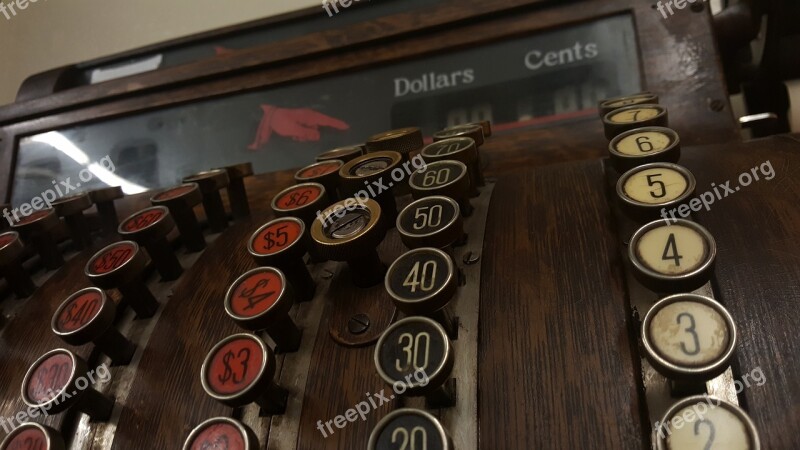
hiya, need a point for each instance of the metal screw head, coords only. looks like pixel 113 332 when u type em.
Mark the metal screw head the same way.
pixel 471 258
pixel 358 324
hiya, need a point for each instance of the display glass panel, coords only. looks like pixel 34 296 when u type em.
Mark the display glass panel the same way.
pixel 533 81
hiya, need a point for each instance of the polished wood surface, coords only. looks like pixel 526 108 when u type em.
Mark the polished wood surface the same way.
pixel 555 347
pixel 558 343
pixel 558 347
pixel 757 274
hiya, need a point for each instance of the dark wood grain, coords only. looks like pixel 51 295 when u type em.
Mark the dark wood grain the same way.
pixel 556 369
pixel 557 351
pixel 167 398
pixel 757 274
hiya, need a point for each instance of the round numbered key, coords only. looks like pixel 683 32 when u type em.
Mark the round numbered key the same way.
pixel 627 118
pixel 103 199
pixel 461 149
pixel 403 141
pixel 222 433
pixel 422 282
pixel 415 355
pixel 181 201
pixel 473 131
pixel 239 370
pixel 351 231
pixel 71 208
pixel 210 183
pixel 149 228
pixel 120 266
pixel 325 173
pixel 260 300
pixel 88 316
pixel 688 336
pixel 237 194
pixel 702 422
pixel 431 222
pixel 610 104
pixel 302 201
pixel 282 243
pixel 672 256
pixel 647 190
pixel 58 380
pixel 344 154
pixel 33 436
pixel 417 429
pixel 11 251
pixel 643 146
pixel 448 178
pixel 37 229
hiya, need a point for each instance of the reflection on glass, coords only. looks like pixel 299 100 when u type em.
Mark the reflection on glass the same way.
pixel 533 81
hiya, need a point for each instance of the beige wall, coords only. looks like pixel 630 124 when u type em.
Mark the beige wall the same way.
pixel 53 33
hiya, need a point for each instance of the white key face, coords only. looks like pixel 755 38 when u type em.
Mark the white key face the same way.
pixel 634 115
pixel 707 427
pixel 644 143
pixel 689 334
pixel 672 249
pixel 656 186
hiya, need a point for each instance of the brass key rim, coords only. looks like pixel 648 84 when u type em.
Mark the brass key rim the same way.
pixel 691 185
pixel 407 210
pixel 55 404
pixel 52 441
pixel 278 306
pixel 340 152
pixel 642 268
pixel 310 205
pixel 463 176
pixel 288 248
pixel 674 143
pixel 94 326
pixel 318 230
pixel 247 435
pixel 439 372
pixel 268 363
pixel 440 431
pixel 673 370
pixel 662 112
pixel 439 294
pixel 606 106
pixel 750 427
pixel 301 179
